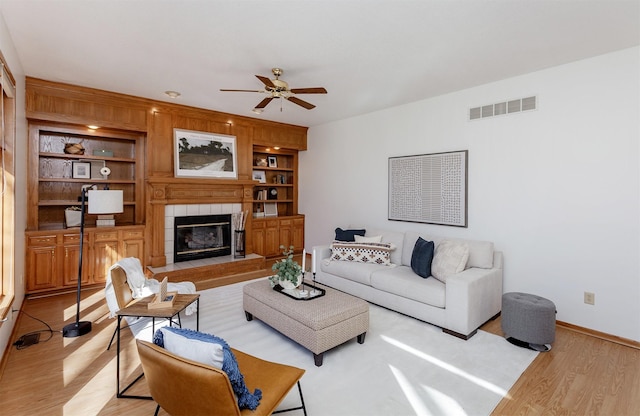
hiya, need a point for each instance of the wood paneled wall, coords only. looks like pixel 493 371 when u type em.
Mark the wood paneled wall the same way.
pixel 64 103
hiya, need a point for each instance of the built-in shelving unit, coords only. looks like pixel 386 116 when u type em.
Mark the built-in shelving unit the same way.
pixel 55 181
pixel 59 176
pixel 276 220
pixel 279 171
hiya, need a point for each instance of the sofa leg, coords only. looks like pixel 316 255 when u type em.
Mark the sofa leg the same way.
pixel 459 335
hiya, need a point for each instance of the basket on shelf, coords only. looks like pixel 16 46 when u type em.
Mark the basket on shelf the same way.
pixel 74 148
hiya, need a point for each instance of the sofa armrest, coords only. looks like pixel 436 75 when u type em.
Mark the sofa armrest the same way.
pixel 321 252
pixel 472 298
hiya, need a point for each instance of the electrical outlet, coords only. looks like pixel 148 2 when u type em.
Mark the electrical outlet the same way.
pixel 589 298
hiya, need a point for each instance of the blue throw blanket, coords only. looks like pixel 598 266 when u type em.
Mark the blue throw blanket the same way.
pixel 246 399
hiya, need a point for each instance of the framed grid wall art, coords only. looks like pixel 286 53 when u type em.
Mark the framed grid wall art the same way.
pixel 429 188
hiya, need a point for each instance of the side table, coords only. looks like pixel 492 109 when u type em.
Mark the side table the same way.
pixel 140 309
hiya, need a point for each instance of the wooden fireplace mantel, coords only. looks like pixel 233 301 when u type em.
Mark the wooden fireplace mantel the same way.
pixel 170 191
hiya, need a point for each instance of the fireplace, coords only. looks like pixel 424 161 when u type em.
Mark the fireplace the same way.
pixel 202 236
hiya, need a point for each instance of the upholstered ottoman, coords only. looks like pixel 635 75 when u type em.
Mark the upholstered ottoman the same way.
pixel 318 324
pixel 529 320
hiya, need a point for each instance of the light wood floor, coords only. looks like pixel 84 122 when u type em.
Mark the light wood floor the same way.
pixel 581 375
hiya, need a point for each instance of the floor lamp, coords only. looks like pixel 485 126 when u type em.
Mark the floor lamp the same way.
pixel 99 202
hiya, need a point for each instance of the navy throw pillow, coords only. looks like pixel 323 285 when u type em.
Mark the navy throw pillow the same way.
pixel 348 235
pixel 422 257
pixel 246 399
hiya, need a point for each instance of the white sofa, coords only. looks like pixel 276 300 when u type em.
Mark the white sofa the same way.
pixel 467 300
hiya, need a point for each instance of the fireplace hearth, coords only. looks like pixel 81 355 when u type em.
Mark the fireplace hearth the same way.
pixel 201 236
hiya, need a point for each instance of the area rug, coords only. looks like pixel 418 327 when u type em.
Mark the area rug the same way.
pixel 404 367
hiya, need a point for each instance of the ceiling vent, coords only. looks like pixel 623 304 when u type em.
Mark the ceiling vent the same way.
pixel 505 107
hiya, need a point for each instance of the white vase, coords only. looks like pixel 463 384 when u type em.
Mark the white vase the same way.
pixel 288 285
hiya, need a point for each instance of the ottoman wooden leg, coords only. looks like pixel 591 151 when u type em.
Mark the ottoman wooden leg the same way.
pixel 317 358
pixel 361 338
pixel 248 315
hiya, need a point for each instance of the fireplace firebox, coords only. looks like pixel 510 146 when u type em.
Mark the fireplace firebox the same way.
pixel 201 236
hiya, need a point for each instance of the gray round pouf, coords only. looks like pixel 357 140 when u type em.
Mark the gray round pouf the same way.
pixel 529 319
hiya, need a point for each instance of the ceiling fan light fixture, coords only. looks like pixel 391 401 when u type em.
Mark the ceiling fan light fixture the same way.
pixel 172 94
pixel 277 88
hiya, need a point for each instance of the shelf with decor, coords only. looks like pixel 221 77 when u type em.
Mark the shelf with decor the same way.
pixel 276 171
pixel 276 220
pixel 64 158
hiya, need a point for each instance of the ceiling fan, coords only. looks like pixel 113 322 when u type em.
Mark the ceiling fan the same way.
pixel 277 88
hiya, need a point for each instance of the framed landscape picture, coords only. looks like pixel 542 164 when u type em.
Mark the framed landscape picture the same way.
pixel 201 154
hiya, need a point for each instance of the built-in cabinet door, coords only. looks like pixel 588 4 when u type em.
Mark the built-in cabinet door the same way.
pixel 133 248
pixel 71 260
pixel 105 254
pixel 258 237
pixel 284 230
pixel 132 244
pixel 42 268
pixel 70 263
pixel 271 239
pixel 297 233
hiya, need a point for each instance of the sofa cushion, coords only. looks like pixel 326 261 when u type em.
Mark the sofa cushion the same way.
pixel 480 254
pixel 357 272
pixel 376 253
pixel 402 281
pixel 450 258
pixel 348 235
pixel 422 257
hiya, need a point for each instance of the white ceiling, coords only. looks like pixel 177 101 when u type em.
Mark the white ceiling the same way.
pixel 369 55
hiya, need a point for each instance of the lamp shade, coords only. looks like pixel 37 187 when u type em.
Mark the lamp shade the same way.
pixel 105 202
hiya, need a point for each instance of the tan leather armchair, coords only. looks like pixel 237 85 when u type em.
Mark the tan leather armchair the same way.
pixel 184 387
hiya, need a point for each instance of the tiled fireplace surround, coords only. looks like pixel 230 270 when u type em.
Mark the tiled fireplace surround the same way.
pixel 182 210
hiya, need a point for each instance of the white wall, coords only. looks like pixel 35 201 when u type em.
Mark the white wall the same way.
pixel 556 189
pixel 9 52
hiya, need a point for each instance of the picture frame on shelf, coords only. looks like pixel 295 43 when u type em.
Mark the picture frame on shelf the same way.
pixel 273 161
pixel 202 154
pixel 270 209
pixel 80 170
pixel 261 161
pixel 260 176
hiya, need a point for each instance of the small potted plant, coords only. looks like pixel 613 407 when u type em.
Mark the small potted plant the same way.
pixel 287 271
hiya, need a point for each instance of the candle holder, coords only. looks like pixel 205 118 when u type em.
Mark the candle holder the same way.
pixel 303 293
pixel 314 292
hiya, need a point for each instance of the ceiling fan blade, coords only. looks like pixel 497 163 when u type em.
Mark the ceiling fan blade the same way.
pixel 241 90
pixel 266 81
pixel 316 90
pixel 264 102
pixel 301 103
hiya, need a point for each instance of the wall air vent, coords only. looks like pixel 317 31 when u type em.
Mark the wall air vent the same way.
pixel 505 107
